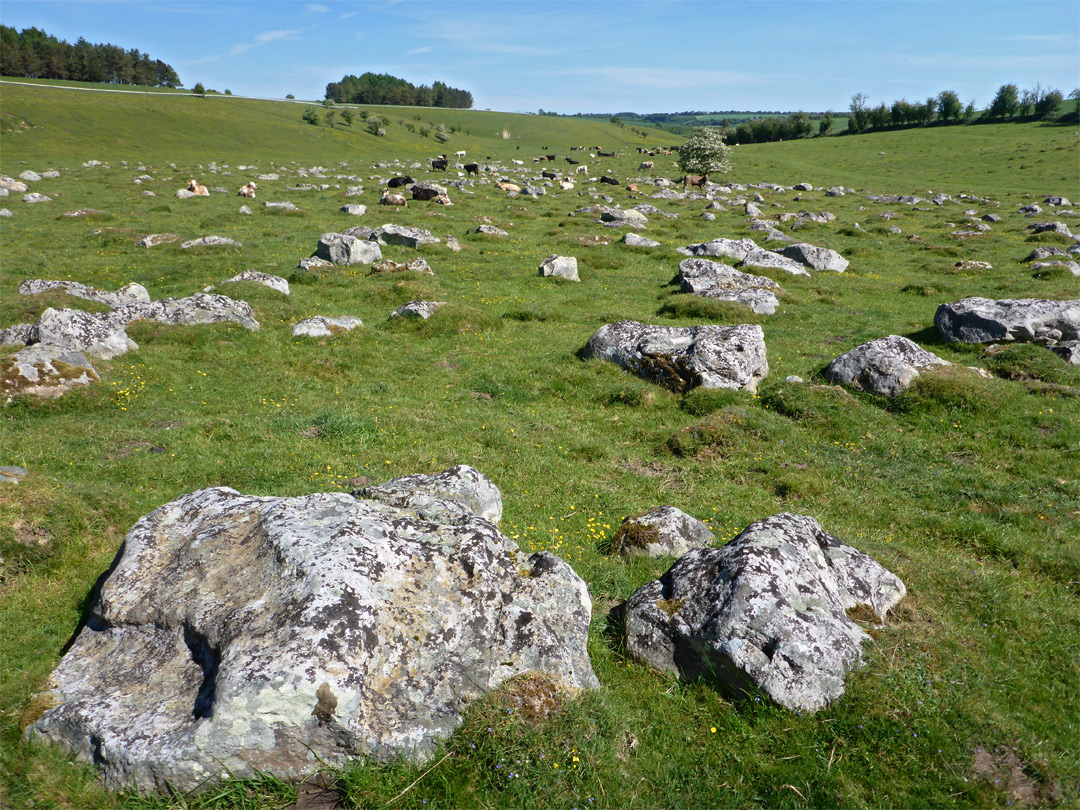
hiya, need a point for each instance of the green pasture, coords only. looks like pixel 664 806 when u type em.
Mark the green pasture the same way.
pixel 967 487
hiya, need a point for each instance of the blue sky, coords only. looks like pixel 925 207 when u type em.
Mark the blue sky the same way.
pixel 596 55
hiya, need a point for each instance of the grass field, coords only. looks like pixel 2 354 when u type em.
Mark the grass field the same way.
pixel 967 488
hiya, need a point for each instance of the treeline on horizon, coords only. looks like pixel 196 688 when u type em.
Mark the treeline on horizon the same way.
pixel 382 88
pixel 33 54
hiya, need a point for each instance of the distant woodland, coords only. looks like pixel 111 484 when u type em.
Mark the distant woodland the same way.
pixel 34 54
pixel 381 88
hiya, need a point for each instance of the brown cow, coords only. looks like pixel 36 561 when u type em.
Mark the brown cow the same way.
pixel 393 199
pixel 248 190
pixel 698 180
pixel 197 190
pixel 502 186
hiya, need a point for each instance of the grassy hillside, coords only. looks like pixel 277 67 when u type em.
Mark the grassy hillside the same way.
pixel 53 124
pixel 966 487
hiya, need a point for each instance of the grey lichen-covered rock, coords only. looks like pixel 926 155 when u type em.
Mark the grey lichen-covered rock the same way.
pixel 1071 266
pixel 44 370
pixel 341 248
pixel 726 248
pixel 99 336
pixel 818 258
pixel 21 334
pixel 661 531
pixel 771 260
pixel 280 205
pixel 767 611
pixel 684 357
pixel 12 475
pixel 210 241
pixel 885 366
pixel 265 279
pixel 313 263
pixel 128 294
pixel 1068 350
pixel 627 216
pixel 405 236
pixel 236 635
pixel 716 280
pixel 634 240
pixel 354 209
pixel 490 230
pixel 34 197
pixel 417 265
pixel 983 320
pixel 155 239
pixel 417 309
pixel 560 267
pixel 201 308
pixel 322 326
pixel 428 495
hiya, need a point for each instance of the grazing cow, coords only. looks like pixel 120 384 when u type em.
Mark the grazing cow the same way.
pixel 549 175
pixel 248 190
pixel 472 168
pixel 648 164
pixel 631 187
pixel 582 170
pixel 197 190
pixel 460 154
pixel 611 181
pixel 393 199
pixel 397 182
pixel 551 157
pixel 424 194
pixel 439 164
pixel 507 186
pixel 698 180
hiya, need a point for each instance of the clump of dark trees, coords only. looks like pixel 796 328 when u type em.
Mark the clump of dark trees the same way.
pixel 33 54
pixel 381 88
pixel 1010 103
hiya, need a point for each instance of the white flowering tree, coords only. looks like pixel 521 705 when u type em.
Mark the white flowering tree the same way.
pixel 705 153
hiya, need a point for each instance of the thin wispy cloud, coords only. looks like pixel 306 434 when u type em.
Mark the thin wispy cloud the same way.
pixel 263 39
pixel 349 15
pixel 417 51
pixel 667 78
pixel 1042 39
pixel 316 8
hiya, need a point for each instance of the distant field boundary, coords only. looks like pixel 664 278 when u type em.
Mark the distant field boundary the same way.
pixel 188 94
pixel 157 93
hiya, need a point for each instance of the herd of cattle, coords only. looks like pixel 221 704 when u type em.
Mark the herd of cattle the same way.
pixel 425 193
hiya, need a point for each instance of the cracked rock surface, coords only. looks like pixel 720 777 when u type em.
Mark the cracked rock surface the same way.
pixel 767 611
pixel 281 635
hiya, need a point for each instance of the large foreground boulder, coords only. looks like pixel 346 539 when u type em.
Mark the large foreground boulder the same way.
pixel 886 366
pixel 200 308
pixel 719 281
pixel 982 320
pixel 237 635
pixel 684 357
pixel 766 611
